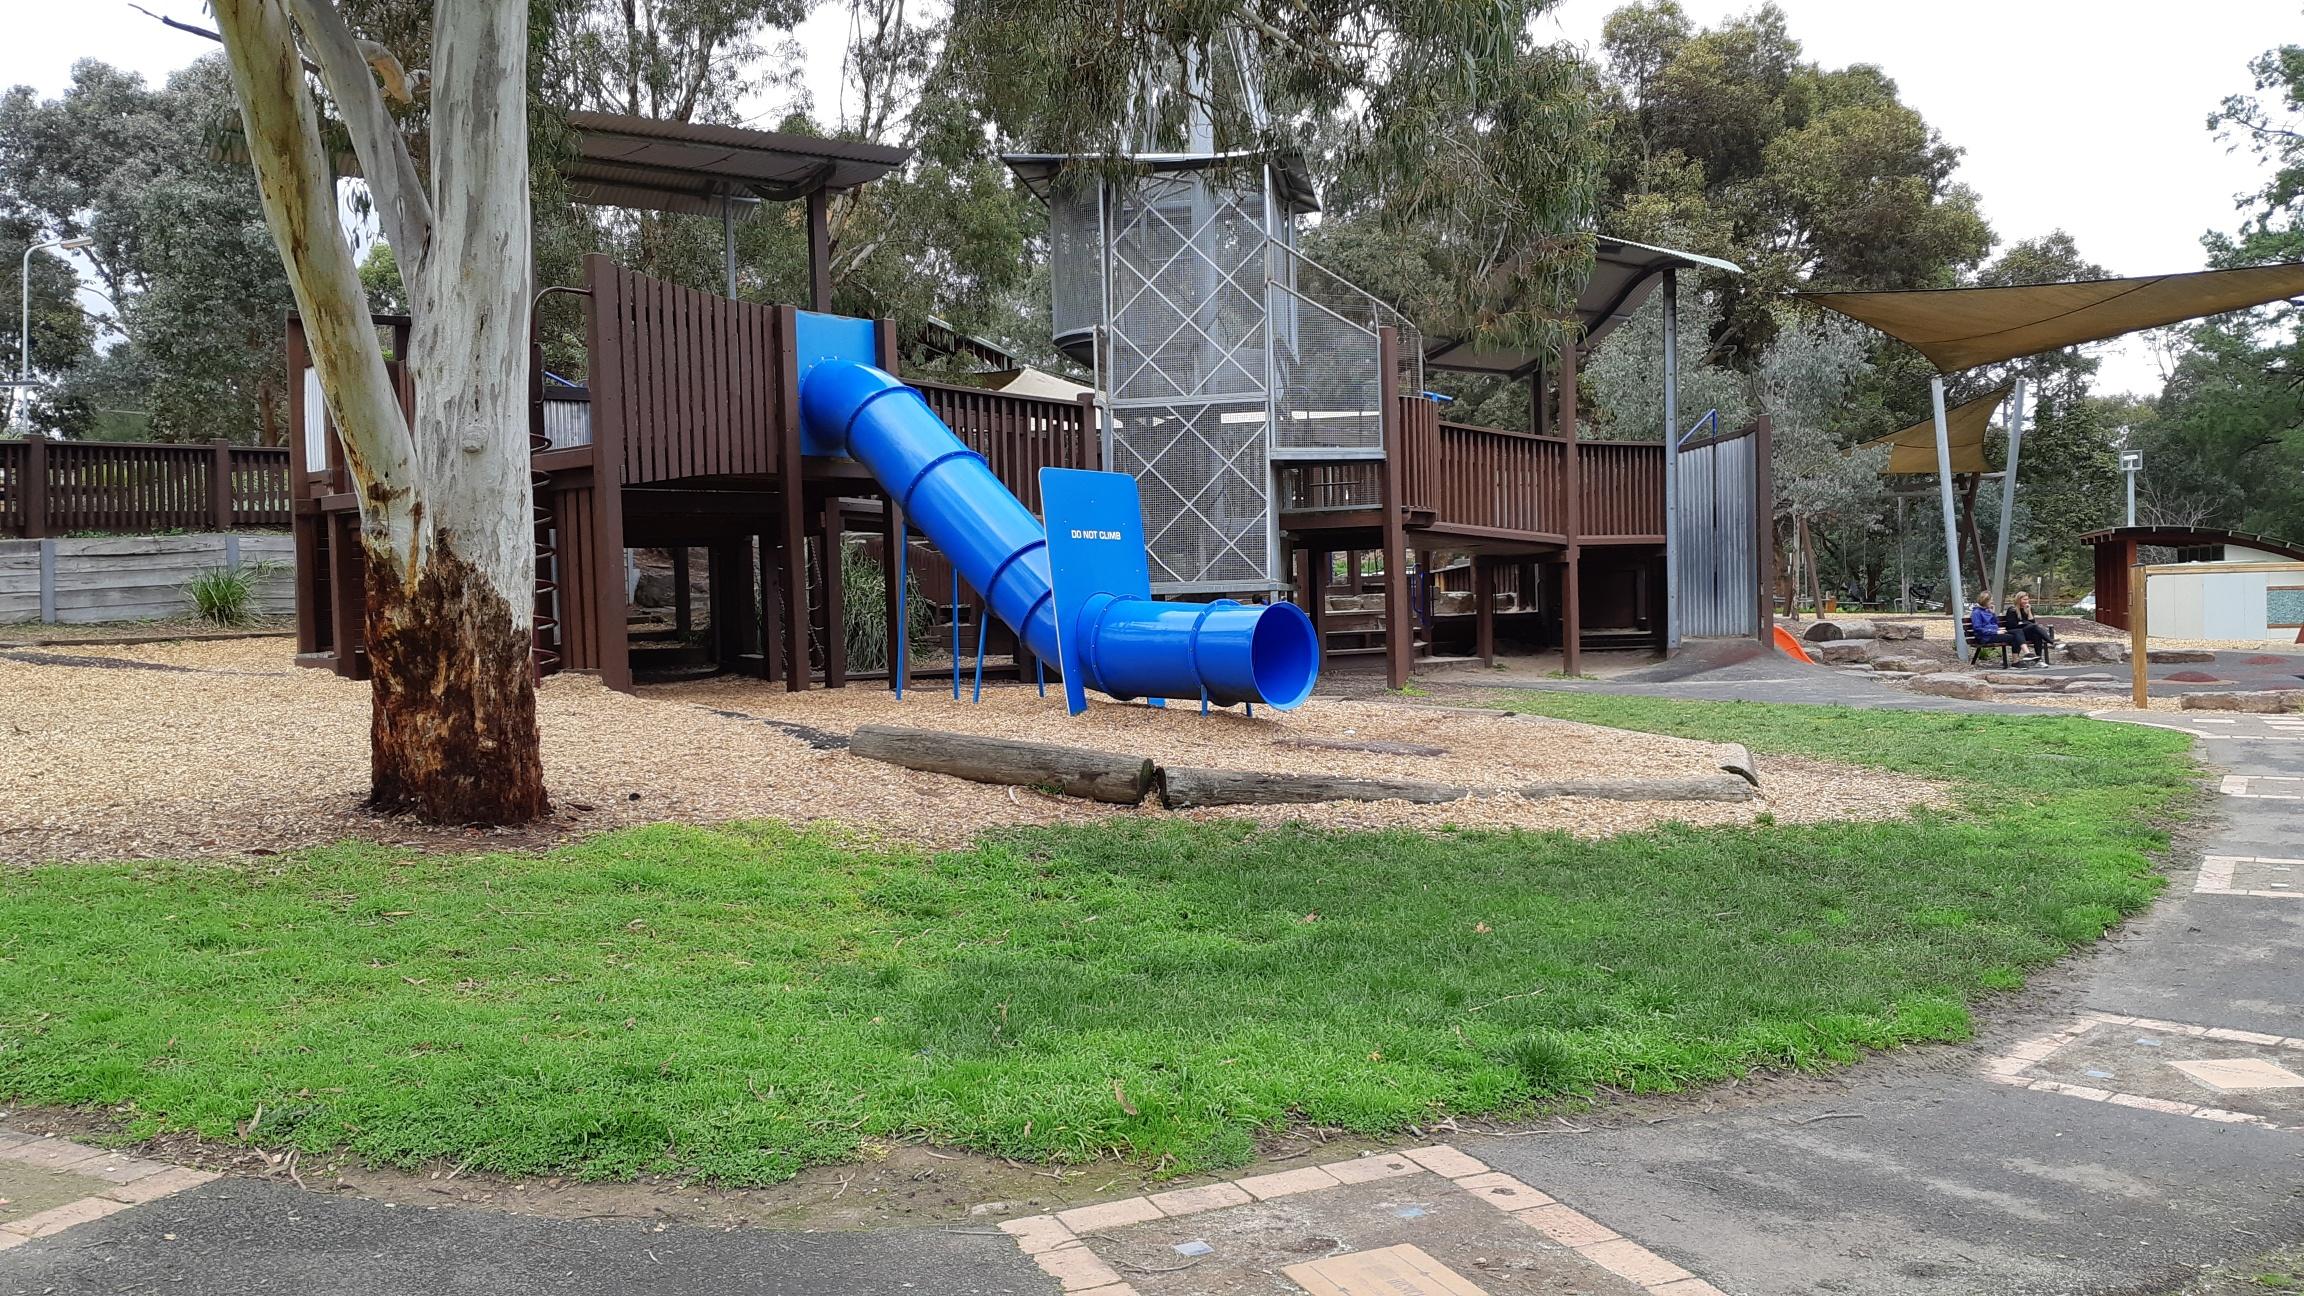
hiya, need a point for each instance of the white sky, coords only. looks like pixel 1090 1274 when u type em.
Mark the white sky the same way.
pixel 2087 115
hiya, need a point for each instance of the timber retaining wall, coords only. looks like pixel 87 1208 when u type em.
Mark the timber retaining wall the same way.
pixel 134 578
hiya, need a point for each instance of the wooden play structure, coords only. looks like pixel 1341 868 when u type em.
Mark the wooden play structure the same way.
pixel 684 438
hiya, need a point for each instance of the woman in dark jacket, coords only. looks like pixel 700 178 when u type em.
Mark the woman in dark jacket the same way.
pixel 2020 621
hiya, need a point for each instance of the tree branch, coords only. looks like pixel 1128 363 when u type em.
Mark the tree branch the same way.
pixel 299 194
pixel 401 207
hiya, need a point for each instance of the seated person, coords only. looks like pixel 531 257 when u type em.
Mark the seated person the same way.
pixel 1984 626
pixel 2037 637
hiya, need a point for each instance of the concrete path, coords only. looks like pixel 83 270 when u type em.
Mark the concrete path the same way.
pixel 236 1235
pixel 2144 1119
pixel 2097 1150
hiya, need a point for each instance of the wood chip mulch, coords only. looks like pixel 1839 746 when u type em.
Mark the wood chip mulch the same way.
pixel 237 750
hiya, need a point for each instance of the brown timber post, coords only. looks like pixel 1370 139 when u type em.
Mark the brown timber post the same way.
pixel 304 519
pixel 1572 526
pixel 603 568
pixel 1399 620
pixel 1764 528
pixel 820 252
pixel 1484 609
pixel 833 522
pixel 792 518
pixel 347 593
pixel 1091 433
pixel 1312 582
pixel 220 484
pixel 771 608
pixel 2139 645
pixel 36 487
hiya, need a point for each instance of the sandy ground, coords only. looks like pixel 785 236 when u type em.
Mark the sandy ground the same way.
pixel 220 748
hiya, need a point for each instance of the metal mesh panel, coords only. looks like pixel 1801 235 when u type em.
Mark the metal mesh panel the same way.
pixel 1307 280
pixel 1188 376
pixel 1075 262
pixel 1201 472
pixel 1187 292
pixel 1331 381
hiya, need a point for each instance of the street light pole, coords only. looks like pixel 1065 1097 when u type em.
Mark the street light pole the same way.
pixel 2131 463
pixel 24 310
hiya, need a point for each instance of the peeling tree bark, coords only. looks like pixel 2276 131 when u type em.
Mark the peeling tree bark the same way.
pixel 445 504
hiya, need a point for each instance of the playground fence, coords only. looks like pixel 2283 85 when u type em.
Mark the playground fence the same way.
pixel 50 488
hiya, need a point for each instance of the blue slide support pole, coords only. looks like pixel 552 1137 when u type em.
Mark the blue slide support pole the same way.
pixel 903 628
pixel 983 627
pixel 1129 647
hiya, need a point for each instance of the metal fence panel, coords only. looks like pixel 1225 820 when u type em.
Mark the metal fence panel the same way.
pixel 1715 549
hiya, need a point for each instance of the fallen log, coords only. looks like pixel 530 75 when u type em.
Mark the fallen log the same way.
pixel 1183 787
pixel 1073 771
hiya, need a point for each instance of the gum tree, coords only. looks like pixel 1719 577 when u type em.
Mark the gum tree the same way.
pixel 444 501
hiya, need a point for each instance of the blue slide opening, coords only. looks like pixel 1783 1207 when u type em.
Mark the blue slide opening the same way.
pixel 1128 647
pixel 1285 656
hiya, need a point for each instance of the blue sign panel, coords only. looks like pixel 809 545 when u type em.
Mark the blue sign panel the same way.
pixel 1095 546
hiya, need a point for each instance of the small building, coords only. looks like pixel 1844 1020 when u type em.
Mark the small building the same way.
pixel 2216 603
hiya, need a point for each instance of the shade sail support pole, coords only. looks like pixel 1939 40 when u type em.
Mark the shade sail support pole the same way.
pixel 1954 601
pixel 1671 462
pixel 2008 492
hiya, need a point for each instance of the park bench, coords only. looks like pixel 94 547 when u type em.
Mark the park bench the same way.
pixel 1977 650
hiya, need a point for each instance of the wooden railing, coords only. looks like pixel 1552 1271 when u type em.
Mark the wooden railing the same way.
pixel 1492 479
pixel 1496 481
pixel 690 384
pixel 55 487
pixel 1623 485
pixel 1017 435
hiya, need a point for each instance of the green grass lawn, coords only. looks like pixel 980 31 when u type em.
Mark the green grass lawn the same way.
pixel 744 1002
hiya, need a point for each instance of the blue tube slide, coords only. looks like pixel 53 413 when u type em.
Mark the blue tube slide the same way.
pixel 1128 647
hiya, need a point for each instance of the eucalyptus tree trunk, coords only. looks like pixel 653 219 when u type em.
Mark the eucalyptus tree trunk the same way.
pixel 445 503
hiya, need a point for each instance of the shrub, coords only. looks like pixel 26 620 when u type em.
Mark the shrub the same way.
pixel 863 598
pixel 226 596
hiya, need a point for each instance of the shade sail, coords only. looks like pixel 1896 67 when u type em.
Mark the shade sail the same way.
pixel 1624 273
pixel 1960 328
pixel 1913 449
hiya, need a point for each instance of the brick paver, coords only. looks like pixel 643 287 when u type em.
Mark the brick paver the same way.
pixel 1287 1182
pixel 1108 1215
pixel 1187 1201
pixel 1446 1161
pixel 1369 1169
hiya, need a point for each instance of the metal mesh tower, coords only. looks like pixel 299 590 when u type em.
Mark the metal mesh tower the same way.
pixel 1221 352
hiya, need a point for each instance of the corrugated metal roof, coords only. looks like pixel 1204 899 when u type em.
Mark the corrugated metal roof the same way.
pixel 655 165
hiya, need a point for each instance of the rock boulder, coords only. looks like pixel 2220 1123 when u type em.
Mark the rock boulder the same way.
pixel 1952 686
pixel 1901 631
pixel 1842 652
pixel 2267 702
pixel 2178 656
pixel 2091 650
pixel 1828 631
